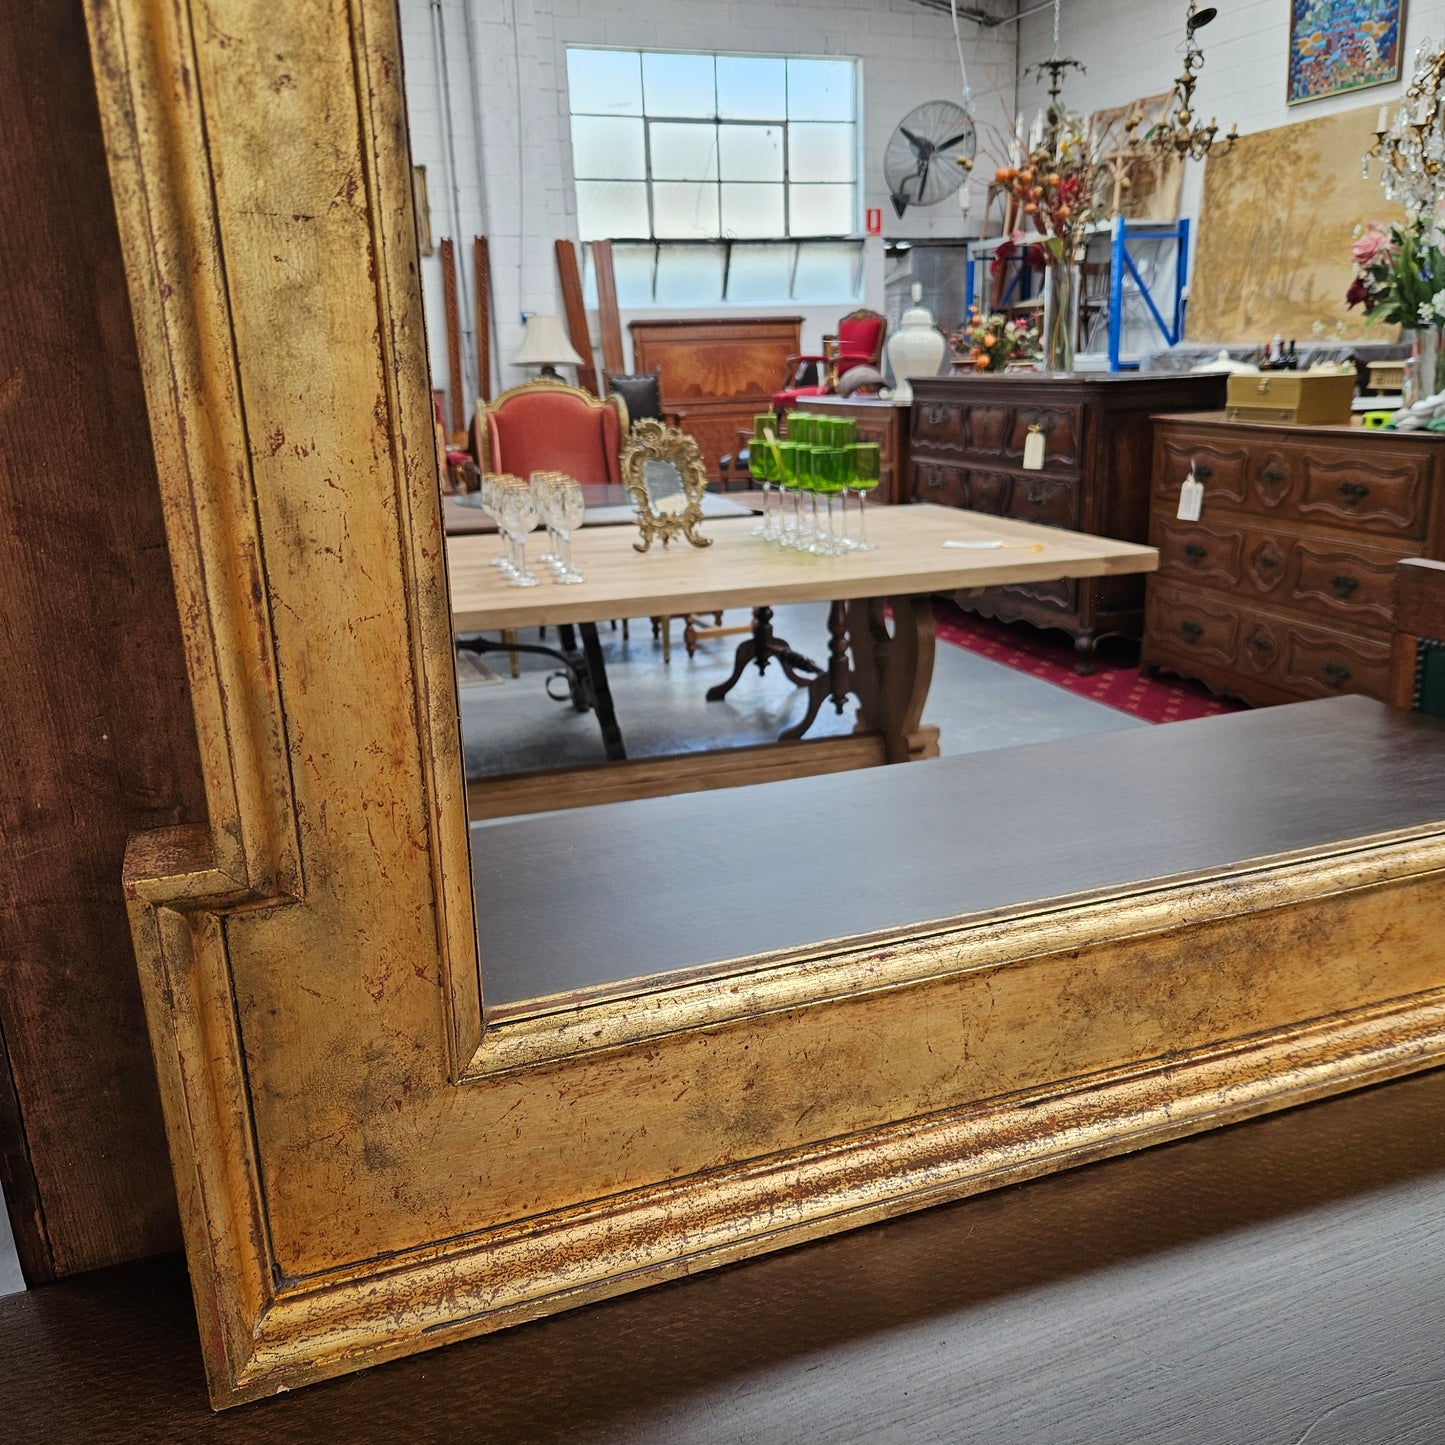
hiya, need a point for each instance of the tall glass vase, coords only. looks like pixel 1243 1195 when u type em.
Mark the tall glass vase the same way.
pixel 1061 315
pixel 1425 371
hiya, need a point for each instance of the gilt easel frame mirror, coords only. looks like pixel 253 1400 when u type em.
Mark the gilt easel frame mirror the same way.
pixel 662 469
pixel 368 1164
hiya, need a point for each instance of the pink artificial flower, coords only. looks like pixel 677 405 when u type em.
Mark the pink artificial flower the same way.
pixel 1372 243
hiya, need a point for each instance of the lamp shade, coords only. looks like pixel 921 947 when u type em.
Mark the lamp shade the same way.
pixel 546 344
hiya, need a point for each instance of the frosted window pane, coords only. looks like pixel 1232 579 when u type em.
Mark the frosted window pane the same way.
pixel 684 209
pixel 605 82
pixel 679 84
pixel 690 275
pixel 611 208
pixel 752 210
pixel 820 90
pixel 821 152
pixel 632 267
pixel 760 274
pixel 754 153
pixel 821 210
pixel 827 273
pixel 684 152
pixel 604 149
pixel 751 89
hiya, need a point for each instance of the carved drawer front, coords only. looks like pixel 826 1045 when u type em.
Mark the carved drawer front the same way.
pixel 1386 496
pixel 1320 663
pixel 940 482
pixel 1037 498
pixel 1063 594
pixel 989 492
pixel 1062 429
pixel 987 429
pixel 1344 583
pixel 1210 555
pixel 1272 474
pixel 1266 561
pixel 939 424
pixel 1221 468
pixel 1193 626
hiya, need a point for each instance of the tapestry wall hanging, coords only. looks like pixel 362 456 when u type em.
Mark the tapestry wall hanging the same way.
pixel 1341 45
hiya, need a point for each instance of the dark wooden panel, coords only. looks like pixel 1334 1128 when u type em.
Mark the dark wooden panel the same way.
pixel 482 279
pixel 96 738
pixel 452 312
pixel 570 279
pixel 609 321
pixel 1261 1285
pixel 1151 803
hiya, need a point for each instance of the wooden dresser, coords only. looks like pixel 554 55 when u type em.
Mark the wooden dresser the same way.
pixel 884 422
pixel 967 442
pixel 719 372
pixel 1282 589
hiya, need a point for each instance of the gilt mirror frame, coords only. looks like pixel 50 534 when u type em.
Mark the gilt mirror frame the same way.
pixel 367 1165
pixel 654 441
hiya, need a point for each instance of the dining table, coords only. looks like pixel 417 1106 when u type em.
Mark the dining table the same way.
pixel 880 633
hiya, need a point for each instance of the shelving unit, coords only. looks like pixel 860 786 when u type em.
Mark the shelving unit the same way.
pixel 1154 303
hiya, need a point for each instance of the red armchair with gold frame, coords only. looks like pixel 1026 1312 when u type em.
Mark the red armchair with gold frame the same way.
pixel 858 342
pixel 549 426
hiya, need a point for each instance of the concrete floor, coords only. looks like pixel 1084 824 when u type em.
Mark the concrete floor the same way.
pixel 511 726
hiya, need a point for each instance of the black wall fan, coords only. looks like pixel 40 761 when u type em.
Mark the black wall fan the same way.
pixel 921 164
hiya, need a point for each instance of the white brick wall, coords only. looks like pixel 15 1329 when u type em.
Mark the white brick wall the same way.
pixel 516 185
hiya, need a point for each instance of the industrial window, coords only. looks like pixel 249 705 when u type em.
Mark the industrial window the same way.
pixel 722 177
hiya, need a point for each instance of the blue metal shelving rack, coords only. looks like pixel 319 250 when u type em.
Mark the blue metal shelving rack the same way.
pixel 1122 265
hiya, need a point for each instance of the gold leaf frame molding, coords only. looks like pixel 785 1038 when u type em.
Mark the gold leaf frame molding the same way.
pixel 367 1165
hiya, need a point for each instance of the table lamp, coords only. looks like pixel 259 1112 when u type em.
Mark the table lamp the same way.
pixel 546 345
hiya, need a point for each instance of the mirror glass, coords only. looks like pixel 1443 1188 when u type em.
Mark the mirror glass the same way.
pixel 663 483
pixel 599 737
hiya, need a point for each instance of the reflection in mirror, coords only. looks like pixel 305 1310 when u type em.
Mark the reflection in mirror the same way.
pixel 729 185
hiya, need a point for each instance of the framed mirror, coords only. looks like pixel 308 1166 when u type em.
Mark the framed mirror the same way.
pixel 663 471
pixel 370 1160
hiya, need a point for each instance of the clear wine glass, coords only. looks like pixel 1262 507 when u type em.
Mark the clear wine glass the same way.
pixel 571 510
pixel 491 500
pixel 544 489
pixel 520 511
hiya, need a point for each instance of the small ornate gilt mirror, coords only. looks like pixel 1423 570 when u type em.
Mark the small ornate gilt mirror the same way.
pixel 663 470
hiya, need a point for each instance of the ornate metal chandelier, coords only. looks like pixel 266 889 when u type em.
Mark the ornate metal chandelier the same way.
pixel 1411 148
pixel 1180 133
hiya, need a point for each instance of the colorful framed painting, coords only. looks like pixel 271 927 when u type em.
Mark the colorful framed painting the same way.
pixel 1341 45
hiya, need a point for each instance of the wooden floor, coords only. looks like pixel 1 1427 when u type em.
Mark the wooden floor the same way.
pixel 1278 1283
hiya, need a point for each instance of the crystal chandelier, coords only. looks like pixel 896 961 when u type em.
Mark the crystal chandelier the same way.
pixel 1411 148
pixel 1179 133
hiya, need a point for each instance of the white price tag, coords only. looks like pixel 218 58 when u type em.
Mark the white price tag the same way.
pixel 1191 498
pixel 1034 450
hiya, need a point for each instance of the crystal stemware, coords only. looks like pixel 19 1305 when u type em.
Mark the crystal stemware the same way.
pixel 570 511
pixel 519 510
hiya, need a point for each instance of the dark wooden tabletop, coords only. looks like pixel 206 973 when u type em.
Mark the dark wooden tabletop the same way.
pixel 1281 1282
pixel 705 877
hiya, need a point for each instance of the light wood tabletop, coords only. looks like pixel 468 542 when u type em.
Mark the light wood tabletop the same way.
pixel 739 569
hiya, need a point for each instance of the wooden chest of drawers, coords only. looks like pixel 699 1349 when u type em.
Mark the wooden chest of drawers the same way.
pixel 1282 589
pixel 718 372
pixel 968 437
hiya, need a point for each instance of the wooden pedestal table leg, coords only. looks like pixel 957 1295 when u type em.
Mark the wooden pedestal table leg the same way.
pixel 761 647
pixel 837 683
pixel 892 674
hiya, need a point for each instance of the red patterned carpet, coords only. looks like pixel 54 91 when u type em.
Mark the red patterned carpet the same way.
pixel 1050 656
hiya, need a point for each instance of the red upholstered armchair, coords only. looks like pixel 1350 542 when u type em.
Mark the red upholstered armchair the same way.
pixel 859 342
pixel 548 426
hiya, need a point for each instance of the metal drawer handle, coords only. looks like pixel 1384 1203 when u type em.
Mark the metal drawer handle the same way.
pixel 1262 644
pixel 1191 630
pixel 1272 475
pixel 1337 673
pixel 1202 472
pixel 1269 560
pixel 1341 583
pixel 1354 491
pixel 1037 496
pixel 1195 552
